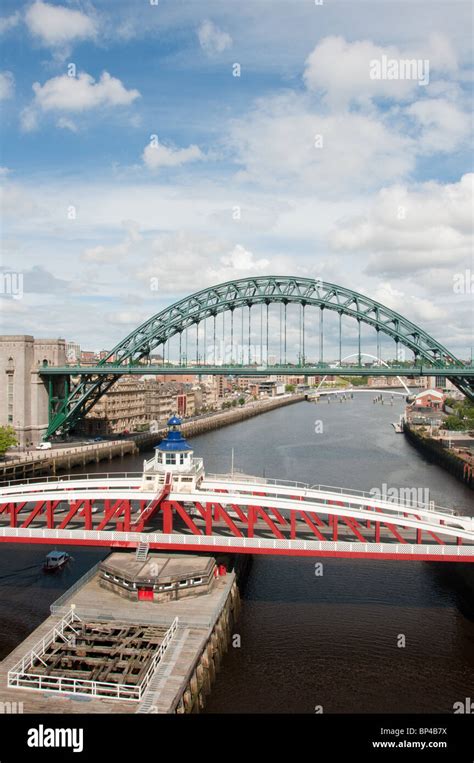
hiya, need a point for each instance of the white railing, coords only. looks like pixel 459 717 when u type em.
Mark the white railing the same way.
pixel 19 678
pixel 41 646
pixel 67 451
pixel 73 477
pixel 348 492
pixel 158 656
pixel 57 604
pixel 162 540
pixel 117 477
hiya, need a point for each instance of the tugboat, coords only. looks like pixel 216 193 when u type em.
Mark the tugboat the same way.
pixel 55 560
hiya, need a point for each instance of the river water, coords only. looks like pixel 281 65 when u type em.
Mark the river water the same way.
pixel 328 641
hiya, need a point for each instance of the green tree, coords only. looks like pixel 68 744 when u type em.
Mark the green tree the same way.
pixel 454 423
pixel 241 400
pixel 7 439
pixel 289 387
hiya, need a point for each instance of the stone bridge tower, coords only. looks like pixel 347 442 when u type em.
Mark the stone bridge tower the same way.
pixel 23 393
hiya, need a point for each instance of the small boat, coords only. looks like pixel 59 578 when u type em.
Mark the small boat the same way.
pixel 55 560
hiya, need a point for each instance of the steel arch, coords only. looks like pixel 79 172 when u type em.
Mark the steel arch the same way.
pixel 231 295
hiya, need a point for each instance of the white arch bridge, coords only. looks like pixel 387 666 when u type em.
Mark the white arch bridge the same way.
pixel 231 513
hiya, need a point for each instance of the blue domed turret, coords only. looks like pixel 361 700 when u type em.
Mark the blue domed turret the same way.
pixel 174 440
pixel 173 459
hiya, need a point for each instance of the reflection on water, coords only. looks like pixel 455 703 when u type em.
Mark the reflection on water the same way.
pixel 309 640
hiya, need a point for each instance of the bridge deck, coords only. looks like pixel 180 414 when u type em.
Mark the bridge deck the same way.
pixel 236 514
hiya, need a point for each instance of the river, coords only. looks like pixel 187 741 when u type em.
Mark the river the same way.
pixel 310 642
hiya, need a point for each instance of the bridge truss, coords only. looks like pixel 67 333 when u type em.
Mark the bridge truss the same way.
pixel 232 514
pixel 237 299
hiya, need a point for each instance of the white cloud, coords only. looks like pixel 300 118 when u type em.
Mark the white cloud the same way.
pixel 28 119
pixel 157 155
pixel 443 126
pixel 9 22
pixel 55 25
pixel 408 230
pixel 276 144
pixel 184 262
pixel 241 259
pixel 66 124
pixel 416 308
pixel 75 95
pixel 115 252
pixel 212 39
pixel 7 85
pixel 81 93
pixel 340 70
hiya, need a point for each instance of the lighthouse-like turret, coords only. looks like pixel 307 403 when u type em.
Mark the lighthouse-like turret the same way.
pixel 173 455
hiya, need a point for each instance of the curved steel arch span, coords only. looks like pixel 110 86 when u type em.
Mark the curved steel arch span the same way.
pixel 229 296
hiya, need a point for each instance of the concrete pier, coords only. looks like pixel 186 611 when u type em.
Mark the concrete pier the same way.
pixel 187 670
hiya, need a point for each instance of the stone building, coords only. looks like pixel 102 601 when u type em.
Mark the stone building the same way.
pixel 159 578
pixel 121 409
pixel 23 392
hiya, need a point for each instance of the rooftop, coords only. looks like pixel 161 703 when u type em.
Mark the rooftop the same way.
pixel 157 567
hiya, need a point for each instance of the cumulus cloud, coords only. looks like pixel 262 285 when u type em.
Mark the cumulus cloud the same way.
pixel 184 262
pixel 286 140
pixel 415 307
pixel 411 229
pixel 443 126
pixel 75 95
pixel 81 93
pixel 157 155
pixel 55 26
pixel 212 39
pixel 7 85
pixel 341 70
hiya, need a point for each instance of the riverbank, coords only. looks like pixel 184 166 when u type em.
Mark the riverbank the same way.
pixel 458 466
pixel 64 459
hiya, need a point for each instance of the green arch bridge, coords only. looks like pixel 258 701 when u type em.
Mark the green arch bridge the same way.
pixel 227 348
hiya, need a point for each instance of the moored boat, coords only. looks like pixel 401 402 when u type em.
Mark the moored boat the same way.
pixel 55 560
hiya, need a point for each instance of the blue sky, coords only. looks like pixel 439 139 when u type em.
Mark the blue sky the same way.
pixel 382 206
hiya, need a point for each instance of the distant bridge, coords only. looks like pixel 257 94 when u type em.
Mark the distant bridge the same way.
pixel 229 349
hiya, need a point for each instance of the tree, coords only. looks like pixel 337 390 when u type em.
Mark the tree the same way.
pixel 289 387
pixel 453 423
pixel 241 400
pixel 7 439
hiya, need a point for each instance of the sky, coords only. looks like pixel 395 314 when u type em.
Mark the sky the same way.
pixel 153 148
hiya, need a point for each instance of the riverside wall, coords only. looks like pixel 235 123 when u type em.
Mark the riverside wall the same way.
pixel 432 449
pixel 57 460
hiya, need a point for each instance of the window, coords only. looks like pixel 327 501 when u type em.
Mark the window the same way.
pixel 170 458
pixel 10 397
pixel 181 458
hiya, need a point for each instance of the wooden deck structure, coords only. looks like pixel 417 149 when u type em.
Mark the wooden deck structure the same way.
pixel 141 622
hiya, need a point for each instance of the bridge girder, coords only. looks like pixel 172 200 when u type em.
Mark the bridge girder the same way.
pixel 232 295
